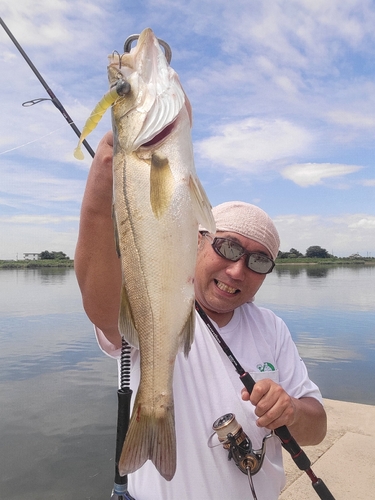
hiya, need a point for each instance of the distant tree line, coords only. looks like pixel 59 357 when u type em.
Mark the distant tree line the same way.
pixel 45 255
pixel 313 251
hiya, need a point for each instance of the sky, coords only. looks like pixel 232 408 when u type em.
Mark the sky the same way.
pixel 283 97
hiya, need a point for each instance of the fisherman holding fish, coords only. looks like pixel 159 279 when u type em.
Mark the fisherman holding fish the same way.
pixel 141 263
pixel 205 384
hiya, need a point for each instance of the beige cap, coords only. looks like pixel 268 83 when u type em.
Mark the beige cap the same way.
pixel 249 221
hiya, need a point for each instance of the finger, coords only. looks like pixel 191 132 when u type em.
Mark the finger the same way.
pixel 260 390
pixel 245 395
pixel 109 138
pixel 281 413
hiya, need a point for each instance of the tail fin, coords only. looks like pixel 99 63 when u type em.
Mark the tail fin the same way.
pixel 150 437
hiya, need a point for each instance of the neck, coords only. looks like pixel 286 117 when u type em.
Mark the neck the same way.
pixel 221 319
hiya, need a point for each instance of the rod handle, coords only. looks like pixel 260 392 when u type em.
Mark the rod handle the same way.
pixel 123 416
pixel 293 448
pixel 322 490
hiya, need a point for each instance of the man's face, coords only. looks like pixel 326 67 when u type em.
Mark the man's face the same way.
pixel 222 285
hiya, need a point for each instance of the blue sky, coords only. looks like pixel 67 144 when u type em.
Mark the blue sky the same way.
pixel 283 96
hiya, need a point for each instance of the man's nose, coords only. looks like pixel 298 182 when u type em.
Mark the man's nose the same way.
pixel 236 270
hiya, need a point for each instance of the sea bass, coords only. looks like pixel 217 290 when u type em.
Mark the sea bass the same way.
pixel 158 204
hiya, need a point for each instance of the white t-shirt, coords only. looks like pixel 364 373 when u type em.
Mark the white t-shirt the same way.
pixel 206 386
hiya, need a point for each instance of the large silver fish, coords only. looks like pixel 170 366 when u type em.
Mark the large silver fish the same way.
pixel 158 203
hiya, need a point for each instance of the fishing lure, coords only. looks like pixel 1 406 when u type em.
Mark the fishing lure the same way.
pixel 122 88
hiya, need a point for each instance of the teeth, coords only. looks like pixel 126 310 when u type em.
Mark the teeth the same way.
pixel 225 287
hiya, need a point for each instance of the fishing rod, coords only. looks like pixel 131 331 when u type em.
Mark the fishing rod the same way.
pixel 54 99
pixel 124 394
pixel 288 442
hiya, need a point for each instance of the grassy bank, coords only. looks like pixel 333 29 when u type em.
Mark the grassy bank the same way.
pixel 333 260
pixel 35 264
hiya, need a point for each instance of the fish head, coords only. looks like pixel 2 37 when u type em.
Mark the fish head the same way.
pixel 156 96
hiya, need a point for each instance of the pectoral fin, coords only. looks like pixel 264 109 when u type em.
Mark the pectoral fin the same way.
pixel 201 205
pixel 161 184
pixel 125 322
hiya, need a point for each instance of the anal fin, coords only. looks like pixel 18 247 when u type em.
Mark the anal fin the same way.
pixel 187 333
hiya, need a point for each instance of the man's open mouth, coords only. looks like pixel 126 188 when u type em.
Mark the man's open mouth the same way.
pixel 226 288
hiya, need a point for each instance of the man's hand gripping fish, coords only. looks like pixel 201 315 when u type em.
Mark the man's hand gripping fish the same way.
pixel 158 203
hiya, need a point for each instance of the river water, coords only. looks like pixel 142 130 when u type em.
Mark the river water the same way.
pixel 58 391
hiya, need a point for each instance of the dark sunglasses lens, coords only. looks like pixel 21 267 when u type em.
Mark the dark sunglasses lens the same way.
pixel 260 263
pixel 233 251
pixel 228 249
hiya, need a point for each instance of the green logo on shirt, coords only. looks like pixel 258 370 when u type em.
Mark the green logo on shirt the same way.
pixel 266 367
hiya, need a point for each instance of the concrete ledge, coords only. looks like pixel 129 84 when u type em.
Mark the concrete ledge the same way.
pixel 344 460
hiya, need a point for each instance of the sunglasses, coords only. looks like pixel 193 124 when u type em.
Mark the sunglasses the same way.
pixel 229 249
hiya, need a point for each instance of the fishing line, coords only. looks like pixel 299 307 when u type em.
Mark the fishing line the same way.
pixel 30 142
pixel 39 138
pixel 54 99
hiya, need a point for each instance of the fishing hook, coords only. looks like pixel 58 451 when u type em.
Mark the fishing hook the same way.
pixel 166 47
pixel 116 53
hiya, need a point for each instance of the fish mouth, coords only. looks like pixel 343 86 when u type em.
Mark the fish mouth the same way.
pixel 226 288
pixel 160 136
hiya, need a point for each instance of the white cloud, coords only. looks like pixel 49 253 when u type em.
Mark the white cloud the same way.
pixel 365 223
pixel 311 174
pixel 307 34
pixel 38 186
pixel 368 182
pixel 246 144
pixel 341 235
pixel 37 219
pixel 301 69
pixel 57 26
pixel 33 234
pixel 353 119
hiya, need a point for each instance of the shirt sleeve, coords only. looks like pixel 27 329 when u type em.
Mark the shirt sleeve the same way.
pixel 105 345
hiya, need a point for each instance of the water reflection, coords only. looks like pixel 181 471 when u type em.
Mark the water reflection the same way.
pixel 322 270
pixel 339 287
pixel 25 292
pixel 316 350
pixel 288 270
pixel 58 391
pixel 317 271
pixel 51 344
pixel 58 436
pixel 53 276
pixel 331 317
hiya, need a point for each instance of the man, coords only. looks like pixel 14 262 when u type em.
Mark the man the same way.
pixel 231 267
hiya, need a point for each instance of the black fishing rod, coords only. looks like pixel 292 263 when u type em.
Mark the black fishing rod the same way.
pixel 288 442
pixel 54 99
